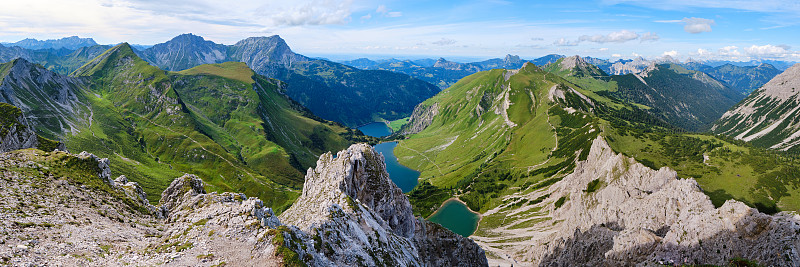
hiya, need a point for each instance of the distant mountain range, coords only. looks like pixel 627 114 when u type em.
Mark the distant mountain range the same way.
pixel 72 43
pixel 331 90
pixel 742 76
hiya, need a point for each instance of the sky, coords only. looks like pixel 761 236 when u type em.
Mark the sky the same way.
pixel 733 30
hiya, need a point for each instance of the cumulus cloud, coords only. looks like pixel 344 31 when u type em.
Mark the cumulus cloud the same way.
pixel 649 36
pixel 672 53
pixel 768 51
pixel 697 25
pixel 444 41
pixel 729 51
pixel 317 12
pixel 564 42
pixel 614 37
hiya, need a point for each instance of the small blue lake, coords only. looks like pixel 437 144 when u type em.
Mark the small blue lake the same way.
pixel 457 217
pixel 376 129
pixel 404 177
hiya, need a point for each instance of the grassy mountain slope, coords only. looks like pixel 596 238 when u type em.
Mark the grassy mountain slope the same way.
pixel 770 116
pixel 331 90
pixel 222 122
pixel 471 151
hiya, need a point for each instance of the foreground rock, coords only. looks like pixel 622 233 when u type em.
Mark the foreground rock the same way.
pixel 635 215
pixel 62 209
pixel 56 209
pixel 351 213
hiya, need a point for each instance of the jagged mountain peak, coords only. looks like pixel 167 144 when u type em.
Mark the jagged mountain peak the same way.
pixel 511 58
pixel 356 174
pixel 572 62
pixel 185 51
pixel 351 195
pixel 187 36
pixel 122 51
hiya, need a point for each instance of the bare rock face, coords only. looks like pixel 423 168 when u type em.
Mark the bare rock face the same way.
pixel 421 118
pixel 361 217
pixel 636 215
pixel 15 132
pixel 185 186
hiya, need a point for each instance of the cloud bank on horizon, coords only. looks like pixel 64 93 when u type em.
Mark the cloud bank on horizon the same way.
pixel 701 29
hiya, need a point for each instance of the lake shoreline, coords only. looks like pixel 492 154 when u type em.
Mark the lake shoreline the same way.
pixel 455 222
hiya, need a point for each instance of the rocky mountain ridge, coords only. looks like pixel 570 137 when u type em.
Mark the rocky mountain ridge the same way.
pixel 52 102
pixel 354 187
pixel 640 216
pixel 110 222
pixel 768 117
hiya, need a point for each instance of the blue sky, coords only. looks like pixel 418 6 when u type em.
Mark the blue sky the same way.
pixel 701 29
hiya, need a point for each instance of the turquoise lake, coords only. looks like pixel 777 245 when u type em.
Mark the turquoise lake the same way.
pixel 376 129
pixel 457 217
pixel 404 177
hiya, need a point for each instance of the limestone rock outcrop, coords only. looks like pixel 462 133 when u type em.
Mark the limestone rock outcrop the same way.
pixel 636 215
pixel 421 118
pixel 361 217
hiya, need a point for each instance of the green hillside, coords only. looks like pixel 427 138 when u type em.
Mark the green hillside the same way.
pixel 222 122
pixel 471 151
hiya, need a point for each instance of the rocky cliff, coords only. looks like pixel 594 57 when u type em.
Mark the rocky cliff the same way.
pixel 421 118
pixel 614 211
pixel 51 102
pixel 358 216
pixel 16 132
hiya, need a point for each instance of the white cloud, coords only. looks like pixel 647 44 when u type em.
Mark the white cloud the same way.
pixel 649 36
pixel 729 51
pixel 769 51
pixel 616 55
pixel 614 37
pixel 366 17
pixel 697 25
pixel 316 12
pixel 444 41
pixel 672 53
pixel 383 10
pixel 564 42
pixel 603 49
pixel 148 21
